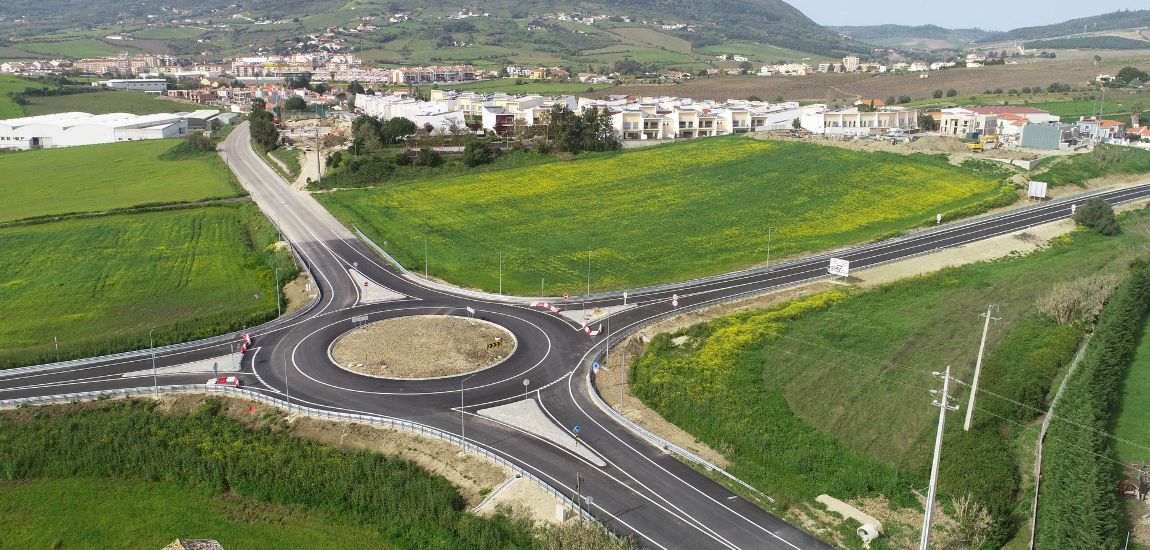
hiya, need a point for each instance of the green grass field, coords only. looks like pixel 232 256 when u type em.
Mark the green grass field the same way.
pixel 9 83
pixel 655 215
pixel 107 176
pixel 112 101
pixel 1133 426
pixel 78 48
pixel 99 284
pixel 94 513
pixel 289 157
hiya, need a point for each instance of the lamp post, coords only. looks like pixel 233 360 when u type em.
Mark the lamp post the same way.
pixel 152 344
pixel 279 300
pixel 462 428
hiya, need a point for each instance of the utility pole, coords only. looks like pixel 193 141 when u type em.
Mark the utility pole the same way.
pixel 318 155
pixel 943 405
pixel 978 366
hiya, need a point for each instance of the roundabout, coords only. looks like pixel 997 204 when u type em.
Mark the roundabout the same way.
pixel 419 347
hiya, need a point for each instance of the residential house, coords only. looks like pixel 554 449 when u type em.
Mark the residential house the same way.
pixel 960 121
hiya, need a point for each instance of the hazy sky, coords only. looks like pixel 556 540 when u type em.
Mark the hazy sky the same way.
pixel 999 16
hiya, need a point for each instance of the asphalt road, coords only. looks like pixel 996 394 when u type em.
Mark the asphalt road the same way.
pixel 642 491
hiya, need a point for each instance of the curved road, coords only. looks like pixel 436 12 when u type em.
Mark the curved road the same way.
pixel 641 490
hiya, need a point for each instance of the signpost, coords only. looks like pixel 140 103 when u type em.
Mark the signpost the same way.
pixel 1037 190
pixel 359 320
pixel 595 367
pixel 526 381
pixel 674 300
pixel 839 267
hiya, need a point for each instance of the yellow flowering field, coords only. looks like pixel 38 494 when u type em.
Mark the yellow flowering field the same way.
pixel 656 215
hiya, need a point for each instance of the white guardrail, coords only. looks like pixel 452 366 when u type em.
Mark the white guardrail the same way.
pixel 372 419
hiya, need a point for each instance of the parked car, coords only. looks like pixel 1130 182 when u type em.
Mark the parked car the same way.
pixel 233 381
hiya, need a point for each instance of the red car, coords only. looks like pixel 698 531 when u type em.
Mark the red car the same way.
pixel 233 381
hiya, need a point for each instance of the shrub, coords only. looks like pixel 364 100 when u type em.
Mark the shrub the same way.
pixel 430 157
pixel 477 153
pixel 1081 298
pixel 1098 215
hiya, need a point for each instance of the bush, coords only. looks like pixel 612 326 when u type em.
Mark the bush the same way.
pixel 430 157
pixel 951 92
pixel 1098 215
pixel 936 94
pixel 477 153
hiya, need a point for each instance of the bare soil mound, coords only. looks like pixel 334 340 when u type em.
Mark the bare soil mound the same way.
pixel 423 346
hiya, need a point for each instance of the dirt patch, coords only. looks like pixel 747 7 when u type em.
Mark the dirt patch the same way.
pixel 298 293
pixel 522 498
pixel 623 355
pixel 954 148
pixel 423 346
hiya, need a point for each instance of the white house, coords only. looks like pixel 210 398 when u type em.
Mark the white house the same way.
pixel 817 119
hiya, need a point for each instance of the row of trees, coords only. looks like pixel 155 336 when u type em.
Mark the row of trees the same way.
pixel 1078 507
pixel 265 136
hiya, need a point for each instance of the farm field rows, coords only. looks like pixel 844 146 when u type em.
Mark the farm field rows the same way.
pixel 93 513
pixel 100 284
pixel 107 176
pixel 655 215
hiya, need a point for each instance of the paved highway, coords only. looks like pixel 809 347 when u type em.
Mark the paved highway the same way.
pixel 641 491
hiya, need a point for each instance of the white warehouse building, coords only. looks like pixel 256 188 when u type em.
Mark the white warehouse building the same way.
pixel 72 129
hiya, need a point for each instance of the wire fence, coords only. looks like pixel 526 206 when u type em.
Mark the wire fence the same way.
pixel 365 418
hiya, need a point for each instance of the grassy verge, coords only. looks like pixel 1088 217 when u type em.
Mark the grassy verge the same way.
pixel 1133 422
pixel 828 394
pixel 95 513
pixel 290 158
pixel 402 504
pixel 1104 160
pixel 100 284
pixel 92 178
pixel 9 83
pixel 660 214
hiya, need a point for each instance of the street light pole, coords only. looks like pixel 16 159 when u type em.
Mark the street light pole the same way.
pixel 152 344
pixel 769 230
pixel 279 300
pixel 287 387
pixel 56 343
pixel 462 432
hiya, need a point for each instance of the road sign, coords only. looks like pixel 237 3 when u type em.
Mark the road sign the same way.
pixel 565 296
pixel 365 283
pixel 576 429
pixel 839 267
pixel 674 300
pixel 595 367
pixel 471 311
pixel 359 319
pixel 624 297
pixel 1037 190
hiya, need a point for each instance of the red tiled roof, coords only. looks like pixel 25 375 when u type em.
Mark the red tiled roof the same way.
pixel 1109 123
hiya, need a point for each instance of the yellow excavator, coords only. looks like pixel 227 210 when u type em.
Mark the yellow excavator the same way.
pixel 979 146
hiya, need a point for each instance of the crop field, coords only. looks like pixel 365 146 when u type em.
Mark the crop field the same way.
pixel 78 48
pixel 94 513
pixel 108 176
pixel 655 215
pixel 825 87
pixel 99 284
pixel 544 87
pixel 112 101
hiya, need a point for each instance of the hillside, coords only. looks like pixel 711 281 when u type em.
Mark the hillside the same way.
pixel 501 29
pixel 925 37
pixel 1125 19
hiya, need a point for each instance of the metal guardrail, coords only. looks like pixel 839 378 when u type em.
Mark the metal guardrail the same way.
pixel 365 418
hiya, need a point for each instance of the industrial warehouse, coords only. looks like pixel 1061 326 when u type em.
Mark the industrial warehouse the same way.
pixel 75 128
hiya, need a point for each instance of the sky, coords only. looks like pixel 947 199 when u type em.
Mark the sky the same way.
pixel 996 16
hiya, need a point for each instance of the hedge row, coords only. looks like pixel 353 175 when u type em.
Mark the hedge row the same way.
pixel 1078 507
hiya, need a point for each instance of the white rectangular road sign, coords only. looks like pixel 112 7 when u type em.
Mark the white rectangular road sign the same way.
pixel 839 267
pixel 1037 190
pixel 359 319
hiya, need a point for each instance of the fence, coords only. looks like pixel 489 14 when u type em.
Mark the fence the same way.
pixel 365 418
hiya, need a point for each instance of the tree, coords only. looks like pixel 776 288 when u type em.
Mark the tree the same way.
pixel 797 124
pixel 754 98
pixel 904 99
pixel 397 127
pixel 264 134
pixel 1128 74
pixel 354 87
pixel 477 153
pixel 295 103
pixel 890 100
pixel 1098 215
pixel 951 92
pixel 926 122
pixel 365 134
pixel 936 94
